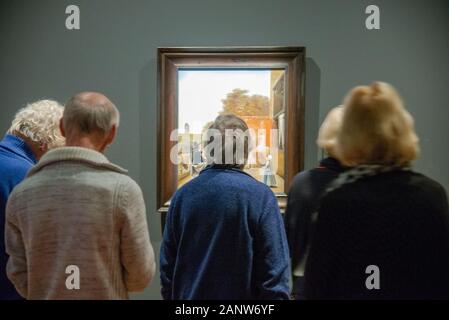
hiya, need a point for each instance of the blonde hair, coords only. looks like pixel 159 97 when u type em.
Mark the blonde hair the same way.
pixel 39 122
pixel 376 128
pixel 327 136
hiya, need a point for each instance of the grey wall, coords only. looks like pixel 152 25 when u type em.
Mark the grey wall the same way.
pixel 115 53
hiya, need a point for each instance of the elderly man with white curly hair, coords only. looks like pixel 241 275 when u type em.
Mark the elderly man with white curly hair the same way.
pixel 34 130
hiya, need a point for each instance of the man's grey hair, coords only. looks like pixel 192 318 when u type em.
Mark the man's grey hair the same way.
pixel 83 114
pixel 227 141
pixel 39 122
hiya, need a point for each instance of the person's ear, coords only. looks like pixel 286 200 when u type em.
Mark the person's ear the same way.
pixel 61 127
pixel 111 135
pixel 39 150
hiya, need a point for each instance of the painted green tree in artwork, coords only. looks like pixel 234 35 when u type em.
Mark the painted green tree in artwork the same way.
pixel 206 126
pixel 240 103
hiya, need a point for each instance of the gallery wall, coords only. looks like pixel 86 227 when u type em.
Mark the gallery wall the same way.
pixel 114 52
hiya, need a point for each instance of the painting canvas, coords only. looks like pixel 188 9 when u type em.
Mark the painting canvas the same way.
pixel 255 95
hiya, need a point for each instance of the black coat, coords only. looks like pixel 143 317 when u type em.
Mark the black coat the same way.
pixel 303 200
pixel 397 221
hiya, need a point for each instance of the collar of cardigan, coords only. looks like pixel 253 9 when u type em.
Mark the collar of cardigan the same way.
pixel 225 168
pixel 76 154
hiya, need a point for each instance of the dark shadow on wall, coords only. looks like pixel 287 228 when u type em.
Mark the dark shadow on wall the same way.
pixel 312 112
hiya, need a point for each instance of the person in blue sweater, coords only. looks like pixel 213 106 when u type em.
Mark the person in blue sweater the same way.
pixel 34 130
pixel 224 237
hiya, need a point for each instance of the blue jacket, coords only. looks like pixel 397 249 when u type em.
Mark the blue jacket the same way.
pixel 16 158
pixel 224 239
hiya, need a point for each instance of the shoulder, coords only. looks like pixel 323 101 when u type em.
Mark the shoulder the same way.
pixel 419 179
pixel 425 186
pixel 310 183
pixel 12 165
pixel 299 178
pixel 258 191
pixel 128 199
pixel 258 186
pixel 15 199
pixel 403 180
pixel 127 185
pixel 24 184
pixel 229 182
pixel 406 184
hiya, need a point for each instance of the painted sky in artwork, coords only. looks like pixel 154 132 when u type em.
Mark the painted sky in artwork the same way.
pixel 201 91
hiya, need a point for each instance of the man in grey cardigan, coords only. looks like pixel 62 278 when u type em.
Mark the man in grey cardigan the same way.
pixel 76 227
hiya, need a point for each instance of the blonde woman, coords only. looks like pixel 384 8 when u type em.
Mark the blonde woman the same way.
pixel 382 229
pixel 34 130
pixel 304 198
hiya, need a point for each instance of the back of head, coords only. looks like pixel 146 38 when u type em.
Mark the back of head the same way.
pixel 227 141
pixel 376 128
pixel 89 113
pixel 39 123
pixel 327 136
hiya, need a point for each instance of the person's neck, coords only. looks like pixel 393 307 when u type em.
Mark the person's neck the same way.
pixel 84 142
pixel 33 146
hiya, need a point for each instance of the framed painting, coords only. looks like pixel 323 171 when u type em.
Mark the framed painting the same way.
pixel 262 85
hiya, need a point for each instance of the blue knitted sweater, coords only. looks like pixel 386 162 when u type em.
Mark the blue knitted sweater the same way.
pixel 16 158
pixel 224 239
